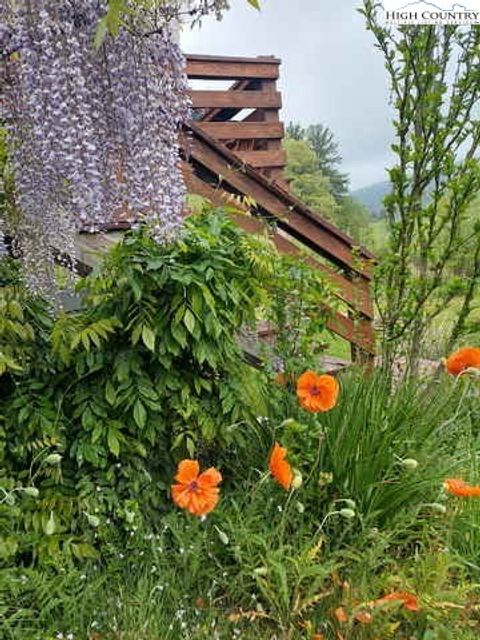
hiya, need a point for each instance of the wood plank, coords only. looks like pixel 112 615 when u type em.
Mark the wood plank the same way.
pixel 267 159
pixel 243 130
pixel 306 230
pixel 214 58
pixel 354 333
pixel 341 325
pixel 231 70
pixel 358 299
pixel 235 99
pixel 285 196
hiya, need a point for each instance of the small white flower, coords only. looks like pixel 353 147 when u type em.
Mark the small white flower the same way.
pixel 279 508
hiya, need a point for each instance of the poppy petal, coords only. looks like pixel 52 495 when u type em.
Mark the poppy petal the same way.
pixel 209 478
pixel 187 471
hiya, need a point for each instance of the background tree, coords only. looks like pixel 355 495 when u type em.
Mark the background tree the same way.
pixel 321 140
pixel 434 75
pixel 306 179
pixel 311 184
pixel 295 131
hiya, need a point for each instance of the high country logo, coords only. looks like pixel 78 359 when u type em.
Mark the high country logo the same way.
pixel 435 12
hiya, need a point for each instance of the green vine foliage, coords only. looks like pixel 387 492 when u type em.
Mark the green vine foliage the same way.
pixel 148 372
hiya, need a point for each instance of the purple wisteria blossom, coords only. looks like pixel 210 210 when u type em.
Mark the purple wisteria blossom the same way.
pixel 92 131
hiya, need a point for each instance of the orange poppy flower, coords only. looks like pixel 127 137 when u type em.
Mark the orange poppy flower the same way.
pixel 465 358
pixel 409 600
pixel 340 615
pixel 196 492
pixel 460 488
pixel 317 393
pixel 279 467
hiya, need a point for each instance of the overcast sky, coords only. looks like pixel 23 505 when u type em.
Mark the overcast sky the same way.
pixel 331 73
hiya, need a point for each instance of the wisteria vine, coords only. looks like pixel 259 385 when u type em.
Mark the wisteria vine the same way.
pixel 92 132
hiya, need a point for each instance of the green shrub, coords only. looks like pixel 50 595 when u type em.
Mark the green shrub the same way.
pixel 148 372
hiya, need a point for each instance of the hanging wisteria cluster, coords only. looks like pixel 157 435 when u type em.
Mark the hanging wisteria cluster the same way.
pixel 92 131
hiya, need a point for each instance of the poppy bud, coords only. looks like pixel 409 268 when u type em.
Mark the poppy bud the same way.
pixel 297 479
pixel 410 463
pixel 93 521
pixel 260 571
pixel 53 458
pixel 32 491
pixel 347 513
pixel 288 422
pixel 349 504
pixel 223 536
pixel 50 527
pixel 439 508
pixel 300 507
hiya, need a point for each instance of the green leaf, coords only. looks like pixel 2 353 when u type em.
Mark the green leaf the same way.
pixel 110 394
pixel 190 447
pixel 189 320
pixel 140 414
pixel 148 337
pixel 255 4
pixel 113 441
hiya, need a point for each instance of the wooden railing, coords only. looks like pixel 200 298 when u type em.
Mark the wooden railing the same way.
pixel 233 145
pixel 253 97
pixel 223 157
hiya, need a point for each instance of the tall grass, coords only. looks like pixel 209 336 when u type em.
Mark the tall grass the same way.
pixel 271 564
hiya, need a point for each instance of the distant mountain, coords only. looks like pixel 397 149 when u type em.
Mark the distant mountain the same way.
pixel 372 197
pixel 446 6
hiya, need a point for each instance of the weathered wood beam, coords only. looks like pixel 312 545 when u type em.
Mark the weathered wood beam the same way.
pixel 347 291
pixel 263 159
pixel 222 68
pixel 243 130
pixel 235 99
pixel 287 211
